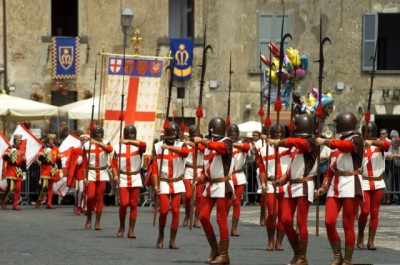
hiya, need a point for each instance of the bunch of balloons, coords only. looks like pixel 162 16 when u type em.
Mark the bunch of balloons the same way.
pixel 294 69
pixel 309 104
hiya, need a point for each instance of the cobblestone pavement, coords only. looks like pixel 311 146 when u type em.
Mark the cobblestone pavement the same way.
pixel 41 236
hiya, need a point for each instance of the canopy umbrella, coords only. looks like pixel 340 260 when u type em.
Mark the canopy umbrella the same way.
pixel 80 110
pixel 249 126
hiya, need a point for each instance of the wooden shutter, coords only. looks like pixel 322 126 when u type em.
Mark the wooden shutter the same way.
pixel 369 37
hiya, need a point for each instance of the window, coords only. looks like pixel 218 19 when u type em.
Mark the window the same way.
pixel 379 27
pixel 269 30
pixel 64 18
pixel 181 18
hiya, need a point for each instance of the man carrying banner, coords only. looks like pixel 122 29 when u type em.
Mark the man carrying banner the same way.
pixel 96 152
pixel 218 188
pixel 15 171
pixel 126 165
pixel 50 169
pixel 170 186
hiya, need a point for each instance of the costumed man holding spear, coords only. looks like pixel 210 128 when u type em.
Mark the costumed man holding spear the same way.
pixel 218 187
pixel 50 169
pixel 267 173
pixel 126 165
pixel 189 177
pixel 300 178
pixel 96 158
pixel 343 184
pixel 15 171
pixel 168 167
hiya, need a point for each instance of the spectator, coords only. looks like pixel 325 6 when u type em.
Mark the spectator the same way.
pixel 394 154
pixel 251 169
pixel 387 175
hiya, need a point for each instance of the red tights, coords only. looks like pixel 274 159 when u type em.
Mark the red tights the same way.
pixel 348 216
pixel 164 208
pixel 289 206
pixel 371 205
pixel 236 202
pixel 278 211
pixel 95 192
pixel 188 194
pixel 17 191
pixel 222 216
pixel 128 197
pixel 49 191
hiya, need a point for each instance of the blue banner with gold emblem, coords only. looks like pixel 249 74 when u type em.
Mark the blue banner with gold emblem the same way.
pixel 65 57
pixel 182 52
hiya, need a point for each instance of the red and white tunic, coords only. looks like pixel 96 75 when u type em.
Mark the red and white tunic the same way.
pixel 14 158
pixel 303 165
pixel 217 165
pixel 189 161
pixel 374 167
pixel 131 159
pixel 238 160
pixel 283 163
pixel 346 158
pixel 173 167
pixel 50 158
pixel 98 161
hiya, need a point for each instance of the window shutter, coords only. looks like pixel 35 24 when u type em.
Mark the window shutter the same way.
pixel 369 37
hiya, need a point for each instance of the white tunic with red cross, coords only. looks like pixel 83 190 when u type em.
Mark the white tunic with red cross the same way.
pixel 98 162
pixel 282 165
pixel 214 168
pixel 173 166
pixel 238 160
pixel 373 166
pixel 131 162
pixel 189 161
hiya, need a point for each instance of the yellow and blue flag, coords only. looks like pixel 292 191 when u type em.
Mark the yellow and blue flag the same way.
pixel 65 57
pixel 182 52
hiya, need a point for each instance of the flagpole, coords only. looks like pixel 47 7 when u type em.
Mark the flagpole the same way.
pixel 137 56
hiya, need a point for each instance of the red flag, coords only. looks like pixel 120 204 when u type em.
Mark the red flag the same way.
pixel 4 144
pixel 33 144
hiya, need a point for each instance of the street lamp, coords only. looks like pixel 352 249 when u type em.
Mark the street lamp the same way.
pixel 126 20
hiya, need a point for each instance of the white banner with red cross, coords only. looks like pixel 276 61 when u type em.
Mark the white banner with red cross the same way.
pixel 139 81
pixel 4 144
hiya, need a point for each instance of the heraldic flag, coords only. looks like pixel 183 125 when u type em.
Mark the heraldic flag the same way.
pixel 65 57
pixel 182 50
pixel 4 144
pixel 142 79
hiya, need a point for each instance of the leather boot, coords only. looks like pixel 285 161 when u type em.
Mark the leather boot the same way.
pixel 371 237
pixel 223 257
pixel 348 254
pixel 212 240
pixel 97 223
pixel 131 229
pixel 302 260
pixel 270 244
pixel 294 243
pixel 187 217
pixel 196 219
pixel 172 237
pixel 360 236
pixel 279 238
pixel 262 215
pixel 88 220
pixel 337 254
pixel 160 240
pixel 234 226
pixel 121 228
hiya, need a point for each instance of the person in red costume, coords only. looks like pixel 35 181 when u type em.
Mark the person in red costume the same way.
pixel 343 184
pixel 96 160
pixel 373 184
pixel 299 192
pixel 277 132
pixel 126 165
pixel 169 157
pixel 218 188
pixel 239 155
pixel 188 179
pixel 15 171
pixel 50 169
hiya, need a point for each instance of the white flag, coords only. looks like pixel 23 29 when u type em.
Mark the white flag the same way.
pixel 33 144
pixel 4 144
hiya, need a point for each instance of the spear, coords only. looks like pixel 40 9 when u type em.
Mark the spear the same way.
pixel 199 114
pixel 278 102
pixel 368 113
pixel 165 126
pixel 320 113
pixel 228 119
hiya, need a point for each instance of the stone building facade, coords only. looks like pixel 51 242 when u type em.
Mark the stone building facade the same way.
pixel 232 27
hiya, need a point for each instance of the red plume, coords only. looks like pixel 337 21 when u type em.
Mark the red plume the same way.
pixel 199 112
pixel 228 121
pixel 166 124
pixel 320 111
pixel 368 116
pixel 291 125
pixel 182 126
pixel 121 116
pixel 267 122
pixel 91 126
pixel 261 112
pixel 278 105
